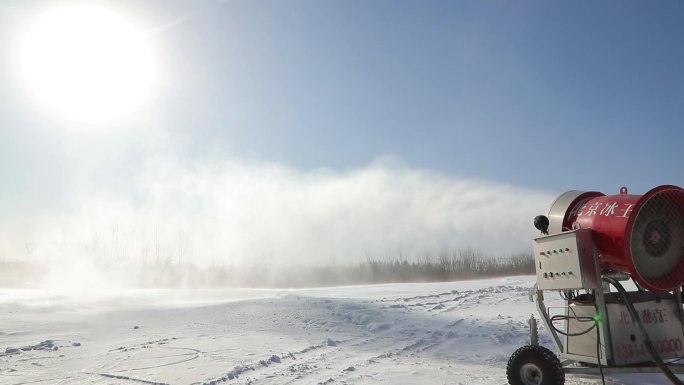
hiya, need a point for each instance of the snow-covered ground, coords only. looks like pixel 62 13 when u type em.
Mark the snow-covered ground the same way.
pixel 435 333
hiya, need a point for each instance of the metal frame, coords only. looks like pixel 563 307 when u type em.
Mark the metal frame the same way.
pixel 560 343
pixel 676 369
pixel 577 364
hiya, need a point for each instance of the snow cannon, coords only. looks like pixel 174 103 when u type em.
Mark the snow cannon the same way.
pixel 590 243
pixel 641 235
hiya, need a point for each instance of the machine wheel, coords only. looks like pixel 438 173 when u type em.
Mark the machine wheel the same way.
pixel 534 365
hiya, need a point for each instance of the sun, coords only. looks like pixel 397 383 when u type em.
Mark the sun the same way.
pixel 86 62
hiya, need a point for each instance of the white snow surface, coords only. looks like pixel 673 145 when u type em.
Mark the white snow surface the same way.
pixel 428 333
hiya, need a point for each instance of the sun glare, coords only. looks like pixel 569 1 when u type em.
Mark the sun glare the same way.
pixel 87 63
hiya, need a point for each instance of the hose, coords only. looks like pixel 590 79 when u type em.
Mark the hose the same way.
pixel 647 341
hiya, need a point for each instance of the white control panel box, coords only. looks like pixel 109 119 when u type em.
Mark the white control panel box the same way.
pixel 566 261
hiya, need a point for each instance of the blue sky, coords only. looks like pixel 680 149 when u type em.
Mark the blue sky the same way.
pixel 527 98
pixel 548 95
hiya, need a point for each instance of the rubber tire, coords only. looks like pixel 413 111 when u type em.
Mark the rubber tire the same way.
pixel 535 357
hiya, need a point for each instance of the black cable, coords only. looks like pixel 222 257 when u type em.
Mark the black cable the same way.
pixel 636 283
pixel 580 319
pixel 598 346
pixel 595 325
pixel 647 341
pixel 567 295
pixel 675 361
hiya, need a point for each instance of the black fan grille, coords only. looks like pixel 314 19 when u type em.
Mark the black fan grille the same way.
pixel 657 239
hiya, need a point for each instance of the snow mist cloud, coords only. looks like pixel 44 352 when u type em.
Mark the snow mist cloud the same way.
pixel 234 212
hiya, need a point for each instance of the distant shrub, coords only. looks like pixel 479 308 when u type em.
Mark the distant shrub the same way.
pixel 458 265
